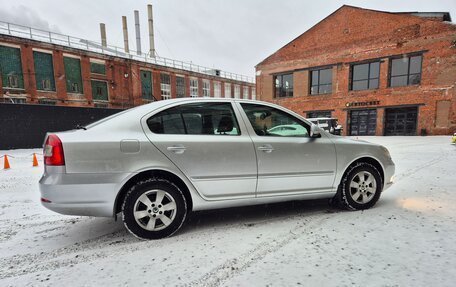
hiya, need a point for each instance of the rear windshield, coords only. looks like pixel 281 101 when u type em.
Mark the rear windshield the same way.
pixel 108 118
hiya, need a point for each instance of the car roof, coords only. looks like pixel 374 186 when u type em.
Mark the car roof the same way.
pixel 162 103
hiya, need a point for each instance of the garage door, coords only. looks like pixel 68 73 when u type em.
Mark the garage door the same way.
pixel 401 121
pixel 363 122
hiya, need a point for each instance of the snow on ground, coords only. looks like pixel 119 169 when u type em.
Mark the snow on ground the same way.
pixel 407 239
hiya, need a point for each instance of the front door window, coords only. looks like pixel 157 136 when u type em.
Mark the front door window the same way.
pixel 268 121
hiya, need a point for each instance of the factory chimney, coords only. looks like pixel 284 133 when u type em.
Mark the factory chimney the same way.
pixel 125 34
pixel 103 35
pixel 151 31
pixel 138 33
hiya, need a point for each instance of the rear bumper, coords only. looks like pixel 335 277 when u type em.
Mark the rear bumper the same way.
pixel 81 194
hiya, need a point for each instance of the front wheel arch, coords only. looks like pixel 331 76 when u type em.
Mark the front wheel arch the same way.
pixel 338 201
pixel 144 175
pixel 368 160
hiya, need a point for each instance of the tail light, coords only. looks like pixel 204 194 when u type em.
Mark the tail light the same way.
pixel 53 151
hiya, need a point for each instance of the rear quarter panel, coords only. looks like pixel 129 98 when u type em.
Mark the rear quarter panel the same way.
pixel 97 151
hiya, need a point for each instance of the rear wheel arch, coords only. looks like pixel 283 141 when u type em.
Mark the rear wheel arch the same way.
pixel 144 175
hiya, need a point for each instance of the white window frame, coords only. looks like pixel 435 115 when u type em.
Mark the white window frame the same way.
pixel 46 84
pixel 253 93
pixel 227 90
pixel 245 93
pixel 165 87
pixel 237 91
pixel 206 88
pixel 13 81
pixel 75 89
pixel 194 91
pixel 97 61
pixel 217 90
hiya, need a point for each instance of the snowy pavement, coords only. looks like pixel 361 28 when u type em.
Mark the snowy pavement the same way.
pixel 407 239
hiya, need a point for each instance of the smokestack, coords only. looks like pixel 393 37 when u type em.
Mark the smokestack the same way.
pixel 125 33
pixel 151 31
pixel 103 35
pixel 138 33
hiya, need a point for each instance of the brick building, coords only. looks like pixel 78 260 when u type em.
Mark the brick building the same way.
pixel 39 67
pixel 379 73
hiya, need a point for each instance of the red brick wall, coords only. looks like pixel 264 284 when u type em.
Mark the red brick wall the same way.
pixel 28 71
pixel 352 35
pixel 59 75
pixel 124 91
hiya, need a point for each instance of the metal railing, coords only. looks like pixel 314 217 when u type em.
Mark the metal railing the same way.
pixel 92 46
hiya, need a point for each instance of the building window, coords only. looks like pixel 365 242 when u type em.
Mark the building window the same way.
pixel 146 85
pixel 227 90
pixel 321 81
pixel 48 102
pixel 73 75
pixel 97 68
pixel 406 71
pixel 103 105
pixel 245 93
pixel 365 76
pixel 237 91
pixel 180 87
pixel 194 87
pixel 44 71
pixel 217 90
pixel 13 100
pixel 319 114
pixel 165 85
pixel 283 86
pixel 253 93
pixel 11 68
pixel 99 90
pixel 206 88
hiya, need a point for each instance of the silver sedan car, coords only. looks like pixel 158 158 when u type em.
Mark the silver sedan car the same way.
pixel 155 163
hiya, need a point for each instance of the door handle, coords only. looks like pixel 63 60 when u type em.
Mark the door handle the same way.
pixel 177 149
pixel 267 148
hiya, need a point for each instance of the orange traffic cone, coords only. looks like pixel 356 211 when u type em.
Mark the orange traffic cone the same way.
pixel 35 161
pixel 6 164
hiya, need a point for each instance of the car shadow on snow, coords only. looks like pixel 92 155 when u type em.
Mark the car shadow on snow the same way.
pixel 251 215
pixel 105 230
pixel 90 230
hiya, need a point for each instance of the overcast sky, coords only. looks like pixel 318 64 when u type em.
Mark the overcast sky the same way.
pixel 232 35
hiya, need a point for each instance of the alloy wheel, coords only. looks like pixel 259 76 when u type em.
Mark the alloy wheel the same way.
pixel 363 187
pixel 154 210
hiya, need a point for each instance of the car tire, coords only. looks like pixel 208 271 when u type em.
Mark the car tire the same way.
pixel 154 208
pixel 360 188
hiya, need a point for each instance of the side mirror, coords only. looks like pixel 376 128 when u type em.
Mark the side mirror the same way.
pixel 314 131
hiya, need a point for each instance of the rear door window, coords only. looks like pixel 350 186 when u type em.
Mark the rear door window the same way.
pixel 196 119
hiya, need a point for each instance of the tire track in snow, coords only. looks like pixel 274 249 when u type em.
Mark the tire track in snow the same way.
pixel 74 254
pixel 412 171
pixel 235 266
pixel 101 247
